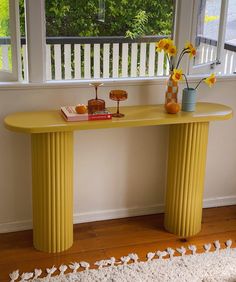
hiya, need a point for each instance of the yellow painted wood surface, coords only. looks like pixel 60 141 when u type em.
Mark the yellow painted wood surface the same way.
pixel 52 174
pixel 185 178
pixel 52 121
pixel 52 166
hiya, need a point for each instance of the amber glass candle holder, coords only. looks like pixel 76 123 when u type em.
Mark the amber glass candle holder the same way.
pixel 96 105
pixel 118 95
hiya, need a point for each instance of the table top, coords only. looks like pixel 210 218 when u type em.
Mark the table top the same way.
pixel 52 121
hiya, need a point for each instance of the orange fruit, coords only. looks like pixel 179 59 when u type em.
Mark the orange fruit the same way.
pixel 81 109
pixel 172 108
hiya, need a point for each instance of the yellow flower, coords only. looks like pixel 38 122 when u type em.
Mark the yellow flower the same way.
pixel 165 44
pixel 160 45
pixel 210 80
pixel 188 45
pixel 168 44
pixel 192 52
pixel 170 41
pixel 190 49
pixel 172 50
pixel 177 75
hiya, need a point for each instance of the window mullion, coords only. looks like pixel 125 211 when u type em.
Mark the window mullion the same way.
pixel 15 40
pixel 183 23
pixel 36 42
pixel 222 32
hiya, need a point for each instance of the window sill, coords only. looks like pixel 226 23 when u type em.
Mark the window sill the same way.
pixel 119 82
pixel 111 82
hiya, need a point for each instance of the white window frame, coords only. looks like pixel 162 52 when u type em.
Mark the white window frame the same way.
pixel 217 64
pixel 15 74
pixel 182 27
pixel 36 40
pixel 36 46
pixel 185 23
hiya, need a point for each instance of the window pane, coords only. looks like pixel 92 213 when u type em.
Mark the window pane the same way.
pixel 229 66
pixel 23 40
pixel 231 23
pixel 207 31
pixel 106 38
pixel 5 39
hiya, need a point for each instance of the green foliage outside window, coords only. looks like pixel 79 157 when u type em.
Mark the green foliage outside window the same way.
pixel 4 18
pixel 138 25
pixel 80 17
pixel 4 29
pixel 130 18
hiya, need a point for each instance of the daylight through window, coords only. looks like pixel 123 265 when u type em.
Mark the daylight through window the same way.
pixel 106 38
pixel 215 37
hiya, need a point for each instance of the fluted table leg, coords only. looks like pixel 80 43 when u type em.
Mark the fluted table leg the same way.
pixel 185 178
pixel 52 173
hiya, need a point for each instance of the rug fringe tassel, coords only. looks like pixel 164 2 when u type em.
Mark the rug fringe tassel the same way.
pixel 161 255
pixel 181 250
pixel 228 244
pixel 37 273
pixel 150 256
pixel 74 266
pixel 133 257
pixel 193 248
pixel 207 247
pixel 217 245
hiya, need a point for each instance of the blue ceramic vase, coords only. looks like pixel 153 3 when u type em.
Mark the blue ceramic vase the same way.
pixel 189 99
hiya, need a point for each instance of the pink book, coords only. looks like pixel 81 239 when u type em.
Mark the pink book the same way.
pixel 69 113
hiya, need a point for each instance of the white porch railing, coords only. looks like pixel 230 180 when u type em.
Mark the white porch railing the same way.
pixel 4 57
pixel 207 53
pixel 110 57
pixel 96 57
pixel 104 57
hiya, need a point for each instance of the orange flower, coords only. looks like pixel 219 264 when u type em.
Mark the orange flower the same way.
pixel 211 80
pixel 177 75
pixel 172 50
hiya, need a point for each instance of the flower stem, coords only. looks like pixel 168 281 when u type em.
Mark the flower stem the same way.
pixel 186 80
pixel 171 64
pixel 185 51
pixel 199 83
pixel 167 56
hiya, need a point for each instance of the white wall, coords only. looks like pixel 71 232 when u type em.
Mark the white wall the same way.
pixel 117 172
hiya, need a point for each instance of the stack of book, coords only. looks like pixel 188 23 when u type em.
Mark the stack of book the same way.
pixel 69 113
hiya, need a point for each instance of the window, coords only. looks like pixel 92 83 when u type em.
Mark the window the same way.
pixel 214 33
pixel 106 38
pixel 10 65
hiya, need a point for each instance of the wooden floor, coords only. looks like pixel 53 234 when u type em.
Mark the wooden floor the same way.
pixel 101 240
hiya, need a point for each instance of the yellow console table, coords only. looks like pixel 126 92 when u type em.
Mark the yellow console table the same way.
pixel 52 166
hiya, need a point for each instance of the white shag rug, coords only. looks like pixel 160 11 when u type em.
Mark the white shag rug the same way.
pixel 213 265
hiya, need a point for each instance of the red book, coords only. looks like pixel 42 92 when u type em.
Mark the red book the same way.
pixel 69 113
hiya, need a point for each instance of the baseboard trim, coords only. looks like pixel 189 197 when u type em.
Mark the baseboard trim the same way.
pixel 118 213
pixel 15 226
pixel 219 202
